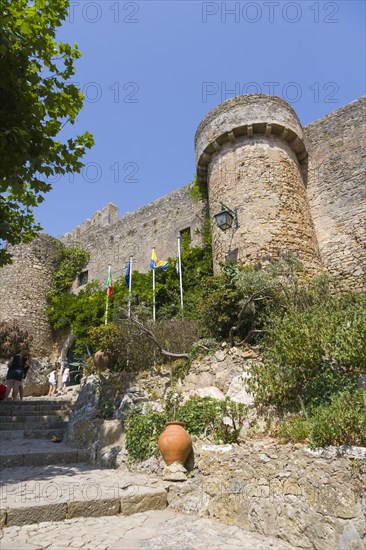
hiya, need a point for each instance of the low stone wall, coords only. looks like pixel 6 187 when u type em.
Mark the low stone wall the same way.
pixel 312 499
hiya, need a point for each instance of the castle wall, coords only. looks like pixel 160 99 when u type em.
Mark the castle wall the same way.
pixel 111 239
pixel 22 290
pixel 336 190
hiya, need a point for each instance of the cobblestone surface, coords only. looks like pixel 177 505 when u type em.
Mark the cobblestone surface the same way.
pixel 150 530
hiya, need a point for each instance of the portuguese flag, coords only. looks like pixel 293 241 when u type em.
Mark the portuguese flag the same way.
pixel 109 283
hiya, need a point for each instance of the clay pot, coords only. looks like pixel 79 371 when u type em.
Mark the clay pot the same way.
pixel 175 443
pixel 102 360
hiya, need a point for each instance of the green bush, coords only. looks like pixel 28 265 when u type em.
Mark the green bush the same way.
pixel 142 434
pixel 295 429
pixel 313 353
pixel 106 409
pixel 341 422
pixel 219 419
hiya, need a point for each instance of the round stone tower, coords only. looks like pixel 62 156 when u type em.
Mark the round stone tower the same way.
pixel 23 284
pixel 249 151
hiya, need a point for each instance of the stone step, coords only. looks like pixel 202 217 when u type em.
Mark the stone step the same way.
pixel 35 418
pixel 41 433
pixel 38 452
pixel 56 493
pixel 58 424
pixel 39 412
pixel 31 412
pixel 20 406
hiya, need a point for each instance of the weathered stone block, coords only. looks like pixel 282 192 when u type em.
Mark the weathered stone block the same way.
pixel 140 499
pixel 27 514
pixel 93 508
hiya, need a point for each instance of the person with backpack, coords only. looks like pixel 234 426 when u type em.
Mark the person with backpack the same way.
pixel 17 367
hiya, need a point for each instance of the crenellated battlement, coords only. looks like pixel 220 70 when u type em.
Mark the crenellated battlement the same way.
pixel 106 217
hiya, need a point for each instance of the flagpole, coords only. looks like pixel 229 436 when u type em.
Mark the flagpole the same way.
pixel 153 294
pixel 107 298
pixel 180 275
pixel 130 288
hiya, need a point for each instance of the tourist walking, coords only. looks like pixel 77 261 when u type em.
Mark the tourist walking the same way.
pixel 52 379
pixel 65 377
pixel 17 369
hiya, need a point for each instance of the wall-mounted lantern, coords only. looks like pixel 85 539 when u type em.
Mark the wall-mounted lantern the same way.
pixel 226 217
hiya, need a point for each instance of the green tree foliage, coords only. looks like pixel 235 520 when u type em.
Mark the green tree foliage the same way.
pixel 79 312
pixel 71 262
pixel 196 266
pixel 36 101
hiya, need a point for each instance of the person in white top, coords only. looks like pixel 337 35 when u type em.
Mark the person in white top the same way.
pixel 52 379
pixel 65 377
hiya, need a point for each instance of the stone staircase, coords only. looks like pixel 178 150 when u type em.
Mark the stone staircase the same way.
pixel 28 419
pixel 44 479
pixel 51 497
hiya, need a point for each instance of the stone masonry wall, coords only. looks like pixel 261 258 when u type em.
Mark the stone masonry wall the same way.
pixel 262 178
pixel 336 189
pixel 111 239
pixel 22 290
pixel 311 499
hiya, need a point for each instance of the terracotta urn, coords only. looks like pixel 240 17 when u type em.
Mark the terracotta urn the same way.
pixel 102 360
pixel 175 443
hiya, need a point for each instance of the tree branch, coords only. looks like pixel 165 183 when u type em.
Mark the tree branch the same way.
pixel 151 335
pixel 257 296
pixel 249 336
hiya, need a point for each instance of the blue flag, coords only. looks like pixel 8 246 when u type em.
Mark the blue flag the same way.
pixel 128 274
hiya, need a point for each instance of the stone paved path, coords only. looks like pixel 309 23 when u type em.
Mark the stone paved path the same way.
pixel 160 530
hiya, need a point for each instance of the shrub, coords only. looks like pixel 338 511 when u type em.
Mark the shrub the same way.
pixel 142 434
pixel 106 409
pixel 313 353
pixel 133 350
pixel 341 422
pixel 295 429
pixel 217 306
pixel 220 419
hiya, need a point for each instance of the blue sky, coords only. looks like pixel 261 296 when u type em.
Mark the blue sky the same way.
pixel 151 70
